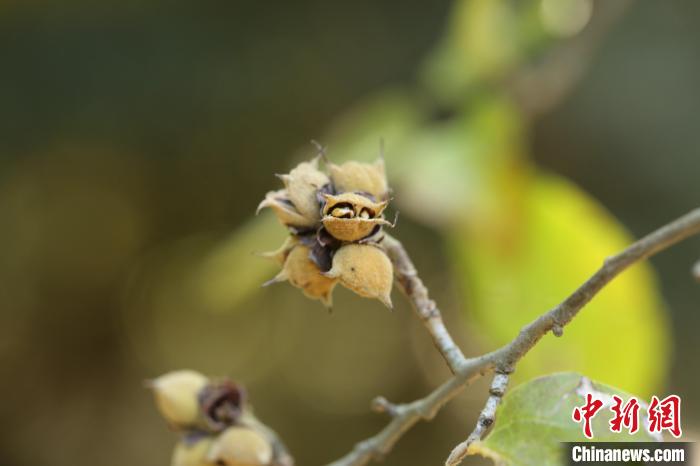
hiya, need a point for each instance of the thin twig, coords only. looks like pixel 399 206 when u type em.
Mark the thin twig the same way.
pixel 504 359
pixel 486 418
pixel 425 308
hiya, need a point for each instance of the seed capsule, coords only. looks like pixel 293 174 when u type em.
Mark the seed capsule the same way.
pixel 351 217
pixel 177 396
pixel 241 446
pixel 364 269
pixel 352 229
pixel 360 177
pixel 192 453
pixel 285 211
pixel 302 184
pixel 357 203
pixel 303 273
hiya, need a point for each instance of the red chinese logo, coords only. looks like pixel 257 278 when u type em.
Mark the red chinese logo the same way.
pixel 665 415
pixel 586 413
pixel 627 415
pixel 662 414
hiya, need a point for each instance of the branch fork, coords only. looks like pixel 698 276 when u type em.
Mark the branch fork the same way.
pixel 502 361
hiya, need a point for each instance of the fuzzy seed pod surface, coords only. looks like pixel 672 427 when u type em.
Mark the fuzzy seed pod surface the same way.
pixel 285 211
pixel 351 229
pixel 241 446
pixel 176 395
pixel 364 269
pixel 324 212
pixel 302 184
pixel 192 453
pixel 363 177
pixel 303 273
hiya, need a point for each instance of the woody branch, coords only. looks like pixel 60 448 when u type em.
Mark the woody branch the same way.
pixel 501 361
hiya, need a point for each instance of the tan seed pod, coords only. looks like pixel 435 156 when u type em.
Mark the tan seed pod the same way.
pixel 360 177
pixel 364 269
pixel 351 216
pixel 241 446
pixel 357 202
pixel 192 453
pixel 285 211
pixel 177 396
pixel 351 229
pixel 303 273
pixel 302 184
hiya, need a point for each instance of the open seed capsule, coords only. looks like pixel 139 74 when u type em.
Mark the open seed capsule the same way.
pixel 351 229
pixel 351 216
pixel 357 203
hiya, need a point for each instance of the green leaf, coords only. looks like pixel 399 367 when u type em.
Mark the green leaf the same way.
pixel 466 168
pixel 513 272
pixel 535 417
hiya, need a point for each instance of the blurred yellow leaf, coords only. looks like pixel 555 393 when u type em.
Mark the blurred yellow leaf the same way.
pixel 563 236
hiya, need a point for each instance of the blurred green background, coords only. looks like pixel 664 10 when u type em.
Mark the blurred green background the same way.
pixel 526 140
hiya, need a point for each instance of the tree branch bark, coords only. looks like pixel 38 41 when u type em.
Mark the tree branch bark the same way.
pixel 426 309
pixel 503 360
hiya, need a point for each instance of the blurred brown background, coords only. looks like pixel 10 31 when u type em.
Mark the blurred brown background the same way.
pixel 136 137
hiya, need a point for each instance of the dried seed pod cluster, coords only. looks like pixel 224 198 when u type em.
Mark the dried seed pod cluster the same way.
pixel 335 220
pixel 216 424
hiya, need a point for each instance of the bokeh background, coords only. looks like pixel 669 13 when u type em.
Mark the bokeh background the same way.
pixel 525 141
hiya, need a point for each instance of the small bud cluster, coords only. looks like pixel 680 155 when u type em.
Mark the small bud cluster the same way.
pixel 335 220
pixel 216 424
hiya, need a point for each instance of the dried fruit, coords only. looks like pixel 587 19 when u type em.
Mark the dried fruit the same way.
pixel 326 213
pixel 352 204
pixel 285 211
pixel 364 269
pixel 241 446
pixel 302 272
pixel 192 453
pixel 360 177
pixel 177 396
pixel 352 229
pixel 351 216
pixel 302 184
